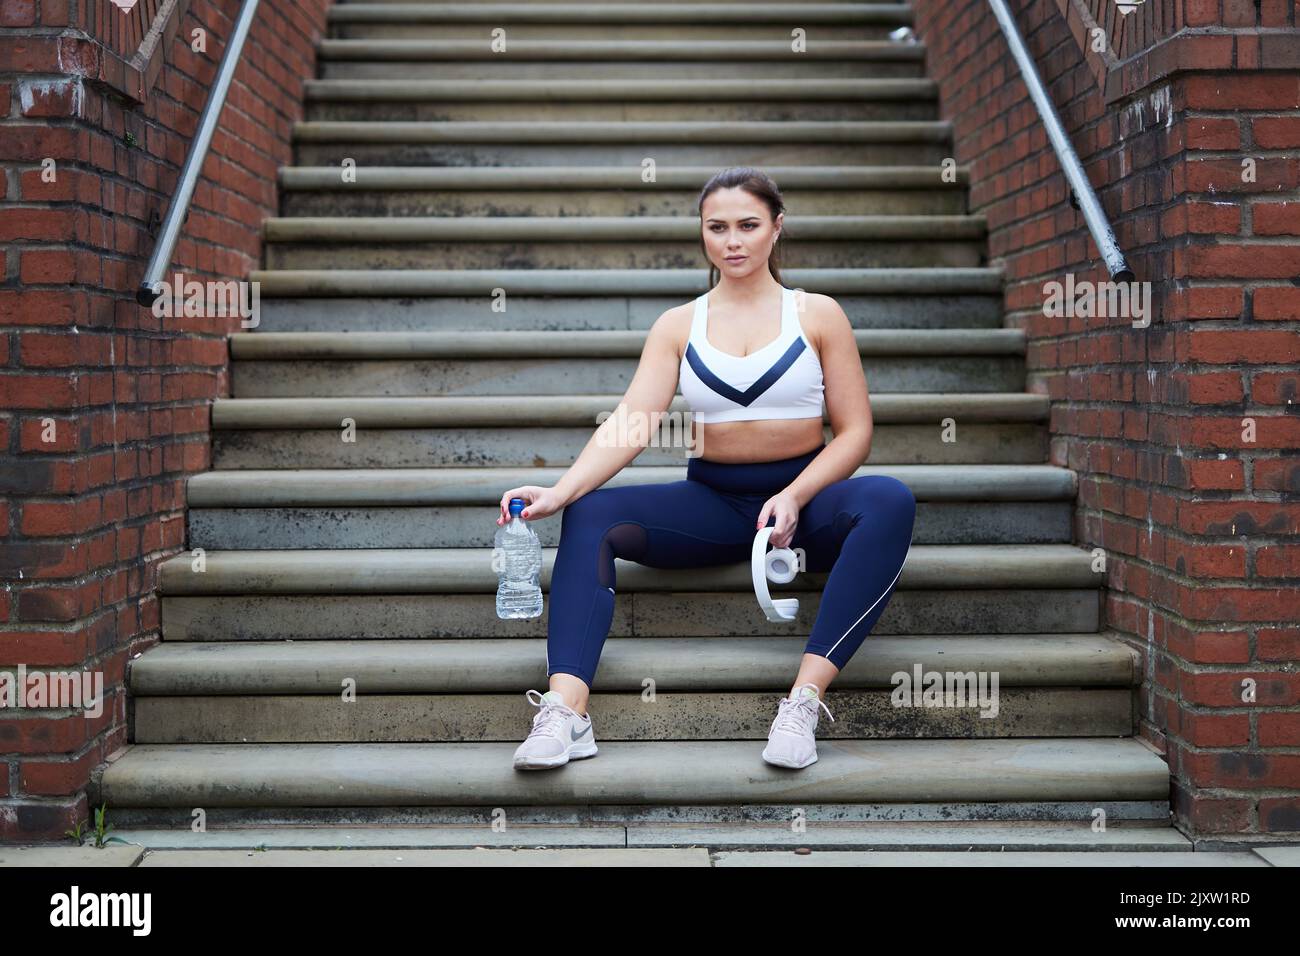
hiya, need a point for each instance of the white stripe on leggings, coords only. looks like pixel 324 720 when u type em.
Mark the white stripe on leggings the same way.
pixel 873 604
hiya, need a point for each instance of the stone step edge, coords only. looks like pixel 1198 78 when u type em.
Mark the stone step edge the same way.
pixel 585 343
pixel 686 178
pixel 1140 814
pixel 488 666
pixel 638 132
pixel 469 571
pixel 847 771
pixel 619 51
pixel 593 229
pixel 594 14
pixel 561 91
pixel 408 487
pixel 458 411
pixel 922 281
pixel 1021 842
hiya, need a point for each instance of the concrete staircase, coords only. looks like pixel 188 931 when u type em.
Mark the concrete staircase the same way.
pixel 329 564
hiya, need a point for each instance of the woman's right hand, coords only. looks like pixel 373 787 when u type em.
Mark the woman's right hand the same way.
pixel 539 502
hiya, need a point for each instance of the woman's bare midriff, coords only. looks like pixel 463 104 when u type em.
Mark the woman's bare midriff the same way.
pixel 764 440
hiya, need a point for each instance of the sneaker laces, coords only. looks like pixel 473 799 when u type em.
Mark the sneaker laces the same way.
pixel 798 715
pixel 549 715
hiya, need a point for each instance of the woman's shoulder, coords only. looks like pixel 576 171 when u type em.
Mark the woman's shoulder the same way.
pixel 820 307
pixel 819 314
pixel 675 324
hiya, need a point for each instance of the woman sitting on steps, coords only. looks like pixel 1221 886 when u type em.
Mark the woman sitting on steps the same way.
pixel 754 371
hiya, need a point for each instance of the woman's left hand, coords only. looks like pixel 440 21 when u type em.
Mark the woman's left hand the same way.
pixel 786 509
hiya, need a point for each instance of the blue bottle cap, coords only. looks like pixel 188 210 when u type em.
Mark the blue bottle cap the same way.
pixel 516 506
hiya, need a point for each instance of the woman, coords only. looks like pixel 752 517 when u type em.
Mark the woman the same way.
pixel 752 389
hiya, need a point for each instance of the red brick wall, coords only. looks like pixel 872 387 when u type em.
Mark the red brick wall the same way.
pixel 1197 524
pixel 85 519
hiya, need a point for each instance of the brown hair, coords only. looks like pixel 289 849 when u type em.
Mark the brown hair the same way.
pixel 759 184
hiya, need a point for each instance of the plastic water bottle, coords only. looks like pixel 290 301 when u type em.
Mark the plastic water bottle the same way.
pixel 519 592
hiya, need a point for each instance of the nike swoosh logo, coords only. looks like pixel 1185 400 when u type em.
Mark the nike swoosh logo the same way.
pixel 573 736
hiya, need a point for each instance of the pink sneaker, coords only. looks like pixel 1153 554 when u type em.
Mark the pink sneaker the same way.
pixel 558 735
pixel 790 742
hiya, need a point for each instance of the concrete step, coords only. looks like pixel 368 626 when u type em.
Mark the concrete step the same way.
pixel 678 665
pixel 620 21
pixel 324 617
pixel 606 191
pixel 607 230
pixel 612 101
pixel 486 431
pixel 427 507
pixel 604 59
pixel 629 283
pixel 641 772
pixel 766 842
pixel 469 570
pixel 471 690
pixel 610 242
pixel 284 528
pixel 414 487
pixel 419 299
pixel 543 143
pixel 511 445
pixel 1022 712
pixel 469 345
pixel 286 365
pixel 569 410
pixel 313 311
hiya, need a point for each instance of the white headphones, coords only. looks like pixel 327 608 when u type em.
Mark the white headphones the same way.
pixel 780 566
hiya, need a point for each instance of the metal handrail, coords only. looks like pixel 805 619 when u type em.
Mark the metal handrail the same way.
pixel 176 213
pixel 1102 233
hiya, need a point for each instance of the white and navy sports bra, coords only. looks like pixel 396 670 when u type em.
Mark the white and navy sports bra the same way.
pixel 783 379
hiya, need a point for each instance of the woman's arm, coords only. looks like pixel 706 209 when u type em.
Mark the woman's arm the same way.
pixel 846 398
pixel 629 431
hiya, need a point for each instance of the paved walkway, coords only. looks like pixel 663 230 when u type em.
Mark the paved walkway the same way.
pixel 118 855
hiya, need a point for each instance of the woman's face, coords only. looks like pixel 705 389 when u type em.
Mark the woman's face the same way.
pixel 738 231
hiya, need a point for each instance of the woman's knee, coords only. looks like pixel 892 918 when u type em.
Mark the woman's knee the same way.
pixel 885 493
pixel 884 497
pixel 607 518
pixel 591 506
pixel 904 494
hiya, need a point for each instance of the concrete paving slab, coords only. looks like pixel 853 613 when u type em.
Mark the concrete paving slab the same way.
pixel 1023 837
pixel 951 859
pixel 1280 855
pixel 332 838
pixel 480 856
pixel 71 856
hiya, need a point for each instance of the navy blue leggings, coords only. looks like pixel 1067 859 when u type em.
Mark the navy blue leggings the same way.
pixel 860 529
